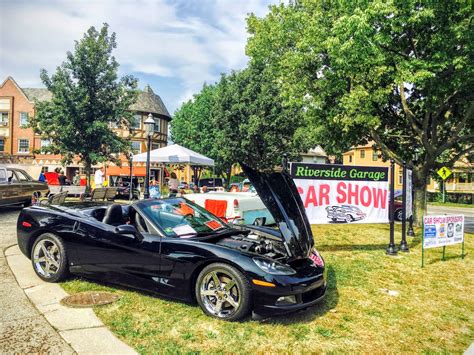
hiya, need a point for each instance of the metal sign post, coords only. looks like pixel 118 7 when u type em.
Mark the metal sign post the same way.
pixel 392 249
pixel 403 243
pixel 444 173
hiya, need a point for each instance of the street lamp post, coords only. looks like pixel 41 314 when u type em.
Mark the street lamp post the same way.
pixel 149 129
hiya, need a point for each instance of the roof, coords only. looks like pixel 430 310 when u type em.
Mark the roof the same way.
pixel 38 94
pixel 150 102
pixel 147 100
pixel 369 144
pixel 315 152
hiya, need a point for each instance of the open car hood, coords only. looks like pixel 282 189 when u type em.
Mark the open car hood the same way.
pixel 279 194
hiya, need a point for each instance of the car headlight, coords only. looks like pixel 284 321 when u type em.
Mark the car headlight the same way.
pixel 273 267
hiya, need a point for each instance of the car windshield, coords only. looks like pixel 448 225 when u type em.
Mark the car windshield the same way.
pixel 182 218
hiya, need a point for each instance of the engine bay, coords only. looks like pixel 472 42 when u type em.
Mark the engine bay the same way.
pixel 255 244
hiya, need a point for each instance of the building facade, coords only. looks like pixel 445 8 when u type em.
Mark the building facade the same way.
pixel 18 142
pixel 462 179
pixel 316 155
pixel 366 155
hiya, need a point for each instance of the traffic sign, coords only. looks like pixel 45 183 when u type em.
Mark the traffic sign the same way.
pixel 444 173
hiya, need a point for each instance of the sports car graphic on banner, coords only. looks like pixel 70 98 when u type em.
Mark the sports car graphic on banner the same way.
pixel 342 194
pixel 345 213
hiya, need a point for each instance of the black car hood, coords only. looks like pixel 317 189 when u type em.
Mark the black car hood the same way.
pixel 279 194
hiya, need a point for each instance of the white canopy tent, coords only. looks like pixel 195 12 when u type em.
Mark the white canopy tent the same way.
pixel 175 154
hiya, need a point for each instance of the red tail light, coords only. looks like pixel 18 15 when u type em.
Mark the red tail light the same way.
pixel 26 224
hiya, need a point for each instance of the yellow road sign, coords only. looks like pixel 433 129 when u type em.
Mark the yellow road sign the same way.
pixel 444 173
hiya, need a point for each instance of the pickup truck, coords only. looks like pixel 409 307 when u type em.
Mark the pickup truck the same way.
pixel 18 188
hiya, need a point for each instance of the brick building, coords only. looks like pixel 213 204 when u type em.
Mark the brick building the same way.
pixel 18 142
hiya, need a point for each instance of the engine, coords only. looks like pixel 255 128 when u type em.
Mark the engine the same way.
pixel 256 244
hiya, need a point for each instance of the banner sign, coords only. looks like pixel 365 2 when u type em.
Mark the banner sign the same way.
pixel 409 185
pixel 442 230
pixel 341 193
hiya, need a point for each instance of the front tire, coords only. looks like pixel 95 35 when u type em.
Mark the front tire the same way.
pixel 399 214
pixel 223 292
pixel 349 218
pixel 49 258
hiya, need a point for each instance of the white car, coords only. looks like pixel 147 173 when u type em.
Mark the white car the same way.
pixel 234 207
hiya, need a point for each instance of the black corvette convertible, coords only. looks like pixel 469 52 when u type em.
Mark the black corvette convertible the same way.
pixel 175 248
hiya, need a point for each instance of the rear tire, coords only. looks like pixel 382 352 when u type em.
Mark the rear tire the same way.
pixel 223 292
pixel 49 258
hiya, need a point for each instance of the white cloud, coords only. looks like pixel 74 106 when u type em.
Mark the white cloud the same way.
pixel 187 40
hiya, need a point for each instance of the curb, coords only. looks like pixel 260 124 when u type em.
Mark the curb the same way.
pixel 79 327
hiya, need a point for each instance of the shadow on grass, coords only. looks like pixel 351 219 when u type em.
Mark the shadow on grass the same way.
pixel 350 247
pixel 446 258
pixel 307 315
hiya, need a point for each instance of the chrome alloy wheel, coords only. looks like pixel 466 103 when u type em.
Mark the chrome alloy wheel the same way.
pixel 220 293
pixel 46 258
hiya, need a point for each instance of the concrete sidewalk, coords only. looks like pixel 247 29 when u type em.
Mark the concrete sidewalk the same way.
pixel 37 323
pixel 22 328
pixel 79 327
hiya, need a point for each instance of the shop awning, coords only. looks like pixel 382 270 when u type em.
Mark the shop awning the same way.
pixel 125 171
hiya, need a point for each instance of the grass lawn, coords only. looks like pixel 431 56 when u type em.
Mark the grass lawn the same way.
pixel 431 310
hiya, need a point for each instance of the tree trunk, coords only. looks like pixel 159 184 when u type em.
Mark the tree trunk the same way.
pixel 419 201
pixel 227 175
pixel 88 167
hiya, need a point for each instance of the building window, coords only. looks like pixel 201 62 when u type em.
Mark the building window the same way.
pixel 136 147
pixel 23 146
pixel 157 125
pixel 400 177
pixel 5 104
pixel 23 119
pixel 45 143
pixel 362 154
pixel 375 155
pixel 2 145
pixel 136 122
pixel 350 158
pixel 3 118
pixel 155 146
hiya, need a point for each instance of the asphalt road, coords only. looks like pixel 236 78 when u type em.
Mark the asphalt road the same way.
pixel 23 329
pixel 467 212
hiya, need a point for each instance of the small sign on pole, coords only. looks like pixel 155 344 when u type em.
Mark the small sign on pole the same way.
pixel 441 231
pixel 444 172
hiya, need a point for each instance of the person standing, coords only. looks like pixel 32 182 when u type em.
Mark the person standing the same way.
pixel 173 183
pixel 62 178
pixel 99 177
pixel 42 177
pixel 76 180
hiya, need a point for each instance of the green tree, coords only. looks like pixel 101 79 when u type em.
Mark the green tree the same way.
pixel 399 73
pixel 240 119
pixel 194 127
pixel 253 126
pixel 87 98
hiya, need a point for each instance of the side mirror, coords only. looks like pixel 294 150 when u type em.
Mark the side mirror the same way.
pixel 127 230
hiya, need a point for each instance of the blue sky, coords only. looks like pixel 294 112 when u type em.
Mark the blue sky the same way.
pixel 175 46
